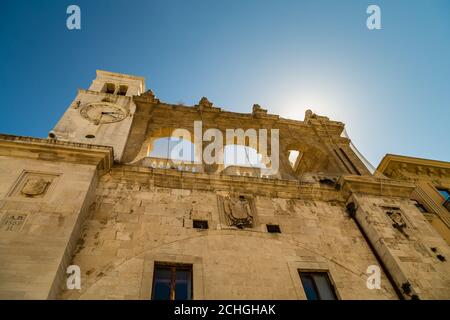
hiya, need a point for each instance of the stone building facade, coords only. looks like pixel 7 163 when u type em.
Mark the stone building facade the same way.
pixel 89 195
pixel 432 193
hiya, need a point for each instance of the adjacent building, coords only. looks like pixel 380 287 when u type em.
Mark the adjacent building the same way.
pixel 432 192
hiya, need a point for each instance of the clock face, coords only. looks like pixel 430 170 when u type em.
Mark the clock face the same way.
pixel 103 112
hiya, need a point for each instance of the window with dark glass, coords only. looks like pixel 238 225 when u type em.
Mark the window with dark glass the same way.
pixel 445 193
pixel 110 88
pixel 200 224
pixel 172 282
pixel 122 90
pixel 273 228
pixel 317 286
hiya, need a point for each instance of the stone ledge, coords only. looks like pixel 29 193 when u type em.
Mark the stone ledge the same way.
pixel 211 182
pixel 56 150
pixel 375 186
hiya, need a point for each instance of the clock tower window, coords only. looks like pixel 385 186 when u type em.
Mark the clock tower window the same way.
pixel 122 90
pixel 110 88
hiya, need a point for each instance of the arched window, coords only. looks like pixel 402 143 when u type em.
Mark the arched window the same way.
pixel 243 156
pixel 109 88
pixel 172 148
pixel 122 90
pixel 293 155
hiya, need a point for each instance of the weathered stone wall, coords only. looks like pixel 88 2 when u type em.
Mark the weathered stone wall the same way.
pixel 410 252
pixel 38 232
pixel 137 222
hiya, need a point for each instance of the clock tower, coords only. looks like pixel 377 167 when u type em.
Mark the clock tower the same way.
pixel 101 115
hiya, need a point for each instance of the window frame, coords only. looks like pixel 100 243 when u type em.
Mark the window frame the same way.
pixel 200 224
pixel 107 87
pixel 310 274
pixel 122 90
pixel 439 189
pixel 173 274
pixel 273 228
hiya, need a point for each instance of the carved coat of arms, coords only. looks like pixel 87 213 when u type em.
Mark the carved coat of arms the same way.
pixel 397 218
pixel 238 211
pixel 34 187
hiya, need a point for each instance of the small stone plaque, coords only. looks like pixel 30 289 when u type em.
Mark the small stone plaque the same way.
pixel 13 222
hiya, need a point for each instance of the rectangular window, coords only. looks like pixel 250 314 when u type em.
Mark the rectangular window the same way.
pixel 317 286
pixel 200 224
pixel 273 228
pixel 110 88
pixel 122 90
pixel 172 282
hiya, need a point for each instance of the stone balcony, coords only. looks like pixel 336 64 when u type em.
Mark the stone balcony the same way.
pixel 189 166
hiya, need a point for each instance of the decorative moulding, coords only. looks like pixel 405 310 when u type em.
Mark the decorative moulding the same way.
pixel 55 150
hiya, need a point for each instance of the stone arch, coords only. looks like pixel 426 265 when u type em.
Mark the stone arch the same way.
pixel 311 158
pixel 156 134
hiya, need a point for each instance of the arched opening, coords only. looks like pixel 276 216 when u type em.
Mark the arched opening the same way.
pixel 295 156
pixel 171 153
pixel 172 148
pixel 305 157
pixel 242 160
pixel 243 156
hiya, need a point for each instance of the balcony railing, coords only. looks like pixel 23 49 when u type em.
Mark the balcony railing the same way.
pixel 242 171
pixel 162 163
pixel 188 166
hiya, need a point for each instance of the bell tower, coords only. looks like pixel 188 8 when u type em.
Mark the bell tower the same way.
pixel 102 114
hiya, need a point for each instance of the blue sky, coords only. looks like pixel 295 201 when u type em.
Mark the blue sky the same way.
pixel 391 87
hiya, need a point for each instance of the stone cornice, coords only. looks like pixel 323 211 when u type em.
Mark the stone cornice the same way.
pixel 146 109
pixel 415 166
pixel 375 186
pixel 119 75
pixel 56 150
pixel 172 178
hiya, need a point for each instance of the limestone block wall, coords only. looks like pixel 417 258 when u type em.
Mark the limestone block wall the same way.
pixel 416 254
pixel 137 222
pixel 38 223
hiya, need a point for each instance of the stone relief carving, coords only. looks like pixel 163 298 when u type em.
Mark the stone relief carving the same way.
pixel 13 222
pixel 397 218
pixel 258 112
pixel 33 185
pixel 399 173
pixel 238 211
pixel 205 103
